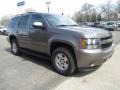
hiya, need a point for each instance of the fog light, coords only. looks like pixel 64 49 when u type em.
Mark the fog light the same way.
pixel 92 65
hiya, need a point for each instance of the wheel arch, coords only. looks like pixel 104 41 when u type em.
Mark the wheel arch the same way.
pixel 11 37
pixel 56 44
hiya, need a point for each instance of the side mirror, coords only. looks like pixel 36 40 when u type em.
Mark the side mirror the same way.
pixel 38 25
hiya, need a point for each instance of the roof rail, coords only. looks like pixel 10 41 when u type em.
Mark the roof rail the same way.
pixel 23 13
pixel 30 12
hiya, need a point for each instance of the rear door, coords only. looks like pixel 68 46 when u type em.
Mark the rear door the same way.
pixel 23 32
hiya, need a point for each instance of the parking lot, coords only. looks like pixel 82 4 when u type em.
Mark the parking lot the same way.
pixel 27 72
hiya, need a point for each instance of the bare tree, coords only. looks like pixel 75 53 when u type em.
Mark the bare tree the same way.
pixel 86 14
pixel 118 9
pixel 107 8
pixel 4 20
pixel 78 17
pixel 90 14
pixel 118 6
pixel 99 18
pixel 93 15
pixel 86 9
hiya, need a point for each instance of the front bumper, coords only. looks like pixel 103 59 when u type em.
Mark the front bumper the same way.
pixel 90 58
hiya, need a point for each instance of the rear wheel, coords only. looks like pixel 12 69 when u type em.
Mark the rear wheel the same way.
pixel 63 61
pixel 15 47
pixel 0 33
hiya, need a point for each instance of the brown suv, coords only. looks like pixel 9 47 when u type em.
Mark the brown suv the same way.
pixel 68 45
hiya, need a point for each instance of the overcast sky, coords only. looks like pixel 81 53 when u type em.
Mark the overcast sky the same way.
pixel 68 7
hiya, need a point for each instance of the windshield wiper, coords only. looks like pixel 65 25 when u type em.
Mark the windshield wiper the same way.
pixel 61 25
pixel 67 25
pixel 74 25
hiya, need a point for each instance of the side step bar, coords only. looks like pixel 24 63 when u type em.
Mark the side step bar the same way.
pixel 36 54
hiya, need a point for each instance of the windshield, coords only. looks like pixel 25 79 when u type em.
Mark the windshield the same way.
pixel 60 20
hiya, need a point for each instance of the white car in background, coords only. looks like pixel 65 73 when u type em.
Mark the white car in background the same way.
pixel 118 25
pixel 3 30
pixel 111 26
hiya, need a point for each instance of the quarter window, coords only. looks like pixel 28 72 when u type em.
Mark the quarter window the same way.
pixel 23 21
pixel 12 22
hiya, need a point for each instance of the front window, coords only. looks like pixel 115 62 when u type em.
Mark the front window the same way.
pixel 36 18
pixel 60 20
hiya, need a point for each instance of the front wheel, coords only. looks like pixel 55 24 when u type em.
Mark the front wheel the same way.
pixel 63 61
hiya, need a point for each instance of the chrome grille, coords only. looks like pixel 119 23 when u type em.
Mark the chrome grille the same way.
pixel 106 45
pixel 105 38
pixel 106 42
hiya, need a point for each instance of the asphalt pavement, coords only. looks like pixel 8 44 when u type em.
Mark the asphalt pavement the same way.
pixel 27 72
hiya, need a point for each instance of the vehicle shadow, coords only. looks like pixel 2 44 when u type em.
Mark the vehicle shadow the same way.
pixel 86 71
pixel 54 77
pixel 37 60
pixel 47 64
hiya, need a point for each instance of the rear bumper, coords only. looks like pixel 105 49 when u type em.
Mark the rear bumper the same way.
pixel 90 58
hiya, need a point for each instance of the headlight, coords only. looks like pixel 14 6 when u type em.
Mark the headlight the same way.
pixel 89 43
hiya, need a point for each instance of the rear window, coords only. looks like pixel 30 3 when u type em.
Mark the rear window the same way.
pixel 12 22
pixel 111 23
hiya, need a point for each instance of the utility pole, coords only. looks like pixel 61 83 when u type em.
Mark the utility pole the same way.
pixel 47 3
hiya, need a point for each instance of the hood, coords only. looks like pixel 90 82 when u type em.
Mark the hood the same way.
pixel 88 32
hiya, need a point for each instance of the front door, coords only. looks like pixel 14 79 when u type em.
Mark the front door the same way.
pixel 38 36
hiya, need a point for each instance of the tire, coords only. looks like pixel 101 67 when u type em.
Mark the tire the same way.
pixel 0 33
pixel 63 61
pixel 15 47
